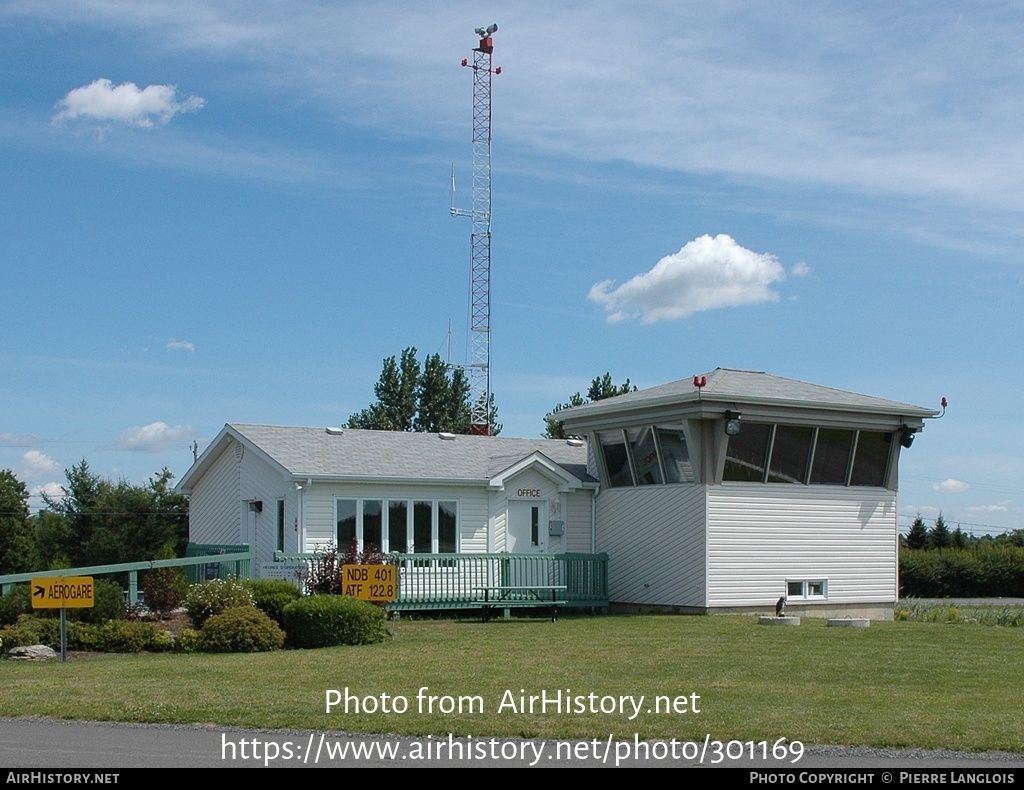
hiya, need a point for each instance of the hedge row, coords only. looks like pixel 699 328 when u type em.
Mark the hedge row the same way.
pixel 996 572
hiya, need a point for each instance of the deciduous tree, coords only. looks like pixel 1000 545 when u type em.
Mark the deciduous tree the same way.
pixel 17 549
pixel 98 521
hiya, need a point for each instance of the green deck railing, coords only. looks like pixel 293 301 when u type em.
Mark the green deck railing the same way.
pixel 457 581
pixel 233 560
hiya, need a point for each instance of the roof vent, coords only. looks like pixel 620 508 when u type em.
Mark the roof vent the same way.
pixel 335 431
pixel 448 437
pixel 575 441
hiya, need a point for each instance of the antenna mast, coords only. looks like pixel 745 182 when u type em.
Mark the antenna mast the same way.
pixel 480 238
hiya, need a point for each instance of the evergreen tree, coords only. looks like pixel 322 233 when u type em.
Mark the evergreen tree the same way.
pixel 395 409
pixel 917 538
pixel 958 539
pixel 432 399
pixel 98 521
pixel 939 536
pixel 17 550
pixel 600 388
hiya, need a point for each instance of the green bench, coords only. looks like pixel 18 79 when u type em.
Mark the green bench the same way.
pixel 518 597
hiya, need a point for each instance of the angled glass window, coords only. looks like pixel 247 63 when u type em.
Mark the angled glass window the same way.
pixel 832 456
pixel 675 456
pixel 616 461
pixel 791 449
pixel 746 454
pixel 871 459
pixel 645 456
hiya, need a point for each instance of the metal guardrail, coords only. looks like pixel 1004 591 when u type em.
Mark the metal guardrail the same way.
pixel 238 560
pixel 454 581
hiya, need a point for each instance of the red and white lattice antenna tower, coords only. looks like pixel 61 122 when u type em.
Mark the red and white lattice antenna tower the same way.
pixel 480 238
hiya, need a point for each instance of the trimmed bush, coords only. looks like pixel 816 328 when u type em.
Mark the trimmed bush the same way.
pixel 189 641
pixel 114 636
pixel 272 596
pixel 122 636
pixel 241 629
pixel 203 601
pixel 328 620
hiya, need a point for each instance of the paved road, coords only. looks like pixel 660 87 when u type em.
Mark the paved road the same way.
pixel 41 744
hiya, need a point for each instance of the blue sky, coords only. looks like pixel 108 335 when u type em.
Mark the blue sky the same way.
pixel 221 212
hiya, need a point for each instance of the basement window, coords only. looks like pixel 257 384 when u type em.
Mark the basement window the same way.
pixel 806 589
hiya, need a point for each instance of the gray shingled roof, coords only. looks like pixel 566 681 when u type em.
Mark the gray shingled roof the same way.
pixel 313 452
pixel 748 386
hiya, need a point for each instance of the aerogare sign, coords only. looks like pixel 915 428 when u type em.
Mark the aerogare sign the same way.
pixel 62 592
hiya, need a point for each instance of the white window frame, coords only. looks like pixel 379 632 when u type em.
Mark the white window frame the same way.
pixel 805 593
pixel 409 533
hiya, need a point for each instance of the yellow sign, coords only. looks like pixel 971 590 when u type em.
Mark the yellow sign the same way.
pixel 370 582
pixel 62 592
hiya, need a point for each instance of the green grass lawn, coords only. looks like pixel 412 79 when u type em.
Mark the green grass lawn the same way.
pixel 903 684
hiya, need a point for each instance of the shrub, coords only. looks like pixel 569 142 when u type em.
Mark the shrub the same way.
pixel 202 601
pixel 108 603
pixel 324 574
pixel 996 571
pixel 189 641
pixel 114 636
pixel 14 603
pixel 272 596
pixel 327 620
pixel 122 636
pixel 240 629
pixel 165 588
pixel 32 630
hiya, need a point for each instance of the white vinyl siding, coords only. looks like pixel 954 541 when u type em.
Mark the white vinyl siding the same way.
pixel 760 536
pixel 259 481
pixel 577 517
pixel 213 512
pixel 655 538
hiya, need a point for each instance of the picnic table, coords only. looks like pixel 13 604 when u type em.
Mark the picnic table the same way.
pixel 519 596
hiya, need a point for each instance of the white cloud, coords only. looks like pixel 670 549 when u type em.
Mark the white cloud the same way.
pixel 17 439
pixel 126 103
pixel 151 438
pixel 989 509
pixel 180 345
pixel 705 274
pixel 35 464
pixel 54 490
pixel 951 486
pixel 800 270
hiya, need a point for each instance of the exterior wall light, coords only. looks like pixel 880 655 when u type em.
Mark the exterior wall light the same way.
pixel 906 437
pixel 732 423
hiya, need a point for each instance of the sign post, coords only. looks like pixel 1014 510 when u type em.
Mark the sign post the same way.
pixel 63 592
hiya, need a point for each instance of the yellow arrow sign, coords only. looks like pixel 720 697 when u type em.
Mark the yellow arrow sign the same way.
pixel 62 592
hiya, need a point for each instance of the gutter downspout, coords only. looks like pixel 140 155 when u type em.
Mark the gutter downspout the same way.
pixel 593 520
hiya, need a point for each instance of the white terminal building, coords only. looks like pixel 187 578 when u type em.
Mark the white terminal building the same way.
pixel 718 493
